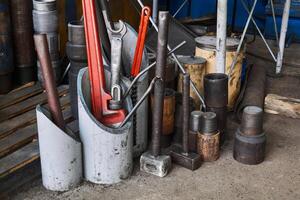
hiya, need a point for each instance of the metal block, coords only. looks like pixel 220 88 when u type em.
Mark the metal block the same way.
pixel 189 160
pixel 158 166
pixel 60 152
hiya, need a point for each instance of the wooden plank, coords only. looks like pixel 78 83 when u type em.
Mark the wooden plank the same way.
pixel 9 126
pixel 28 104
pixel 19 159
pixel 25 135
pixel 280 105
pixel 17 96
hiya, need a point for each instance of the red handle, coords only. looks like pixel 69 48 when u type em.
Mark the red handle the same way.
pixel 138 55
pixel 96 70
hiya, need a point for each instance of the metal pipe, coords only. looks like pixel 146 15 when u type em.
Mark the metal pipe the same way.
pixel 185 112
pixel 155 10
pixel 41 46
pixel 158 102
pixel 106 14
pixel 179 9
pixel 274 19
pixel 177 61
pixel 284 27
pixel 148 68
pixel 137 105
pixel 243 36
pixel 221 36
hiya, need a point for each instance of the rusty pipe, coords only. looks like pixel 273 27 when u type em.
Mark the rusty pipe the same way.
pixel 186 112
pixel 42 49
pixel 158 101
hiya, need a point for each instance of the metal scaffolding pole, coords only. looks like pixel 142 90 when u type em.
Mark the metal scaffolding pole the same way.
pixel 221 36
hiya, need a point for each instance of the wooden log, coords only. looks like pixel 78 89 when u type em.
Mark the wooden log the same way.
pixel 279 105
pixel 209 146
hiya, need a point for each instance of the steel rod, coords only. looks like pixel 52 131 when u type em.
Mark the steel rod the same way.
pixel 274 20
pixel 155 10
pixel 284 27
pixel 159 89
pixel 177 61
pixel 179 9
pixel 42 49
pixel 185 112
pixel 148 68
pixel 221 36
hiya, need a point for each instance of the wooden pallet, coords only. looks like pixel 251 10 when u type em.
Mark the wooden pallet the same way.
pixel 19 152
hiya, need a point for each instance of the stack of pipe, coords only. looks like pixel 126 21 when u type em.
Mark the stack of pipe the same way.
pixel 45 21
pixel 6 53
pixel 22 28
pixel 76 52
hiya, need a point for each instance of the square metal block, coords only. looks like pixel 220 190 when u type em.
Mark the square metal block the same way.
pixel 158 166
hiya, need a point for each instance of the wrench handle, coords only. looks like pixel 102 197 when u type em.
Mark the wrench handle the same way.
pixel 139 49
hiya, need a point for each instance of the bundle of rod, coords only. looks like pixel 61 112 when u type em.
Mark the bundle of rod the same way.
pixel 22 27
pixel 76 52
pixel 45 21
pixel 253 91
pixel 6 53
pixel 250 139
pixel 216 99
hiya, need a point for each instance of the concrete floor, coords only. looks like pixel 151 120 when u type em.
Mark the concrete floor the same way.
pixel 278 177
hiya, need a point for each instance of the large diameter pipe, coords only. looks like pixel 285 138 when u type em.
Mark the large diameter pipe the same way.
pixel 284 27
pixel 221 36
pixel 42 49
pixel 158 103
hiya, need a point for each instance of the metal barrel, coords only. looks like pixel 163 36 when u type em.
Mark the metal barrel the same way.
pixel 159 84
pixel 49 81
pixel 195 120
pixel 216 90
pixel 6 49
pixel 252 121
pixel 22 27
pixel 209 123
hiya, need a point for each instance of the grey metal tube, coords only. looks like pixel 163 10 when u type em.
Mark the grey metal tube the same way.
pixel 179 9
pixel 243 36
pixel 274 20
pixel 177 61
pixel 284 27
pixel 221 36
pixel 155 10
pixel 159 90
pixel 186 112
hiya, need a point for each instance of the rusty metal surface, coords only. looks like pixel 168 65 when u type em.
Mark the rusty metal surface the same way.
pixel 253 91
pixel 49 81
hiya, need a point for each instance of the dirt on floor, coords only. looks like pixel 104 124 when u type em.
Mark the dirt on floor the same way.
pixel 278 177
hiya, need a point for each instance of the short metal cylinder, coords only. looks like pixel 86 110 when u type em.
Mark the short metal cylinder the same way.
pixel 252 121
pixel 249 149
pixel 45 22
pixel 107 152
pixel 216 90
pixel 44 5
pixel 57 71
pixel 209 146
pixel 53 44
pixel 221 121
pixel 209 123
pixel 76 33
pixel 25 59
pixel 195 120
pixel 60 153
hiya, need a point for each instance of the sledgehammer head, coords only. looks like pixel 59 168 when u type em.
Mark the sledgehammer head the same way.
pixel 158 166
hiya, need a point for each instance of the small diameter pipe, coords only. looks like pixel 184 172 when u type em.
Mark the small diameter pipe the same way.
pixel 42 49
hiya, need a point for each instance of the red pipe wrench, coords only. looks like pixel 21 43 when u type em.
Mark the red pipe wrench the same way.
pixel 99 96
pixel 139 49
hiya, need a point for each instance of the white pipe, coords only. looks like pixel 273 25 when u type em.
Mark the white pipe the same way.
pixel 155 10
pixel 221 36
pixel 284 27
